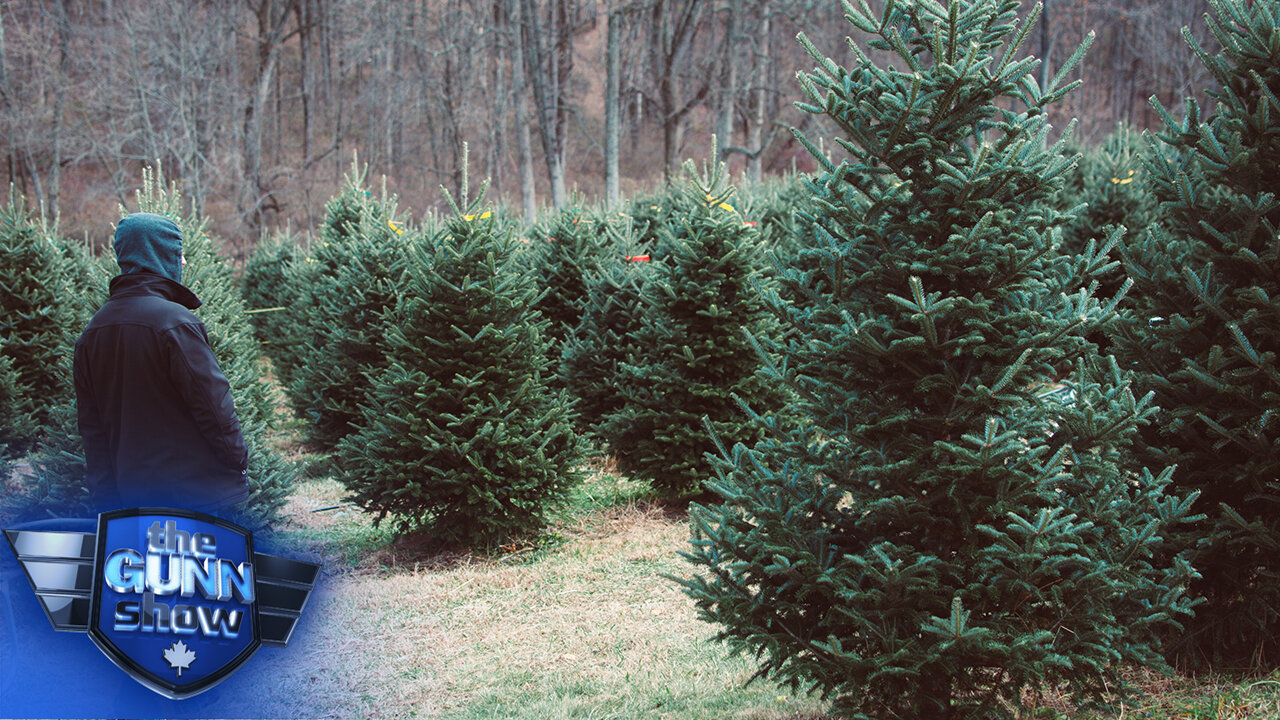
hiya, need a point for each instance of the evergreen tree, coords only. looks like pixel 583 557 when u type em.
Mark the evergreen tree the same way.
pixel 650 213
pixel 272 299
pixel 17 419
pixel 692 362
pixel 461 434
pixel 776 209
pixel 77 285
pixel 345 286
pixel 1113 189
pixel 938 537
pixel 591 360
pixel 41 313
pixel 779 211
pixel 56 486
pixel 1203 333
pixel 568 249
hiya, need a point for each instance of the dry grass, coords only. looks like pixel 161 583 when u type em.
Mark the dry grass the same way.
pixel 1159 696
pixel 585 628
pixel 1179 697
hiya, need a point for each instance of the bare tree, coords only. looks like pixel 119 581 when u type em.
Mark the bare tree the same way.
pixel 547 40
pixel 245 102
pixel 753 105
pixel 680 81
pixel 32 98
pixel 273 30
pixel 159 87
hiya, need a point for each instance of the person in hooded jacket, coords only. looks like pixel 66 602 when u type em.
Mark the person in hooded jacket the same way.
pixel 154 409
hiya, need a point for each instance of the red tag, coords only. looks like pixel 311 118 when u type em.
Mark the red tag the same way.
pixel 637 258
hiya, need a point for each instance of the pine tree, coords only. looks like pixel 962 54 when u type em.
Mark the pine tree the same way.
pixel 70 285
pixel 940 535
pixel 692 362
pixel 41 313
pixel 1114 190
pixel 272 299
pixel 590 364
pixel 17 419
pixel 461 434
pixel 1203 333
pixel 56 486
pixel 776 208
pixel 345 286
pixel 567 249
pixel 650 213
pixel 779 210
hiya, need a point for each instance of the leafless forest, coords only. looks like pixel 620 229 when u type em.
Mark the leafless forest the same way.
pixel 259 106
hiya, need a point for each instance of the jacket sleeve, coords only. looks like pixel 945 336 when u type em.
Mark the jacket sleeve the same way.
pixel 207 393
pixel 100 476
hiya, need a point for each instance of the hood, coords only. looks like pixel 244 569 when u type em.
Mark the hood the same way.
pixel 145 242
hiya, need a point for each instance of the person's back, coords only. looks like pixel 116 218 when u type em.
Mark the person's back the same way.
pixel 155 410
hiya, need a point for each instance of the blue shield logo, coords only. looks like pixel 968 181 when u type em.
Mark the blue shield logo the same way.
pixel 174 597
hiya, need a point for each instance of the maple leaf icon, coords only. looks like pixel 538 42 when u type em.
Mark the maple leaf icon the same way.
pixel 178 656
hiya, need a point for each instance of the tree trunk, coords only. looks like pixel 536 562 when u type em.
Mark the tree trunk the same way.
pixel 5 94
pixel 755 127
pixel 729 89
pixel 1046 44
pixel 255 186
pixel 256 193
pixel 669 44
pixel 55 140
pixel 547 69
pixel 524 142
pixel 612 107
pixel 305 76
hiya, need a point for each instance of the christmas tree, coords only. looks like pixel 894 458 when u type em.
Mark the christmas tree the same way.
pixel 344 286
pixel 56 485
pixel 776 208
pixel 57 288
pixel 272 299
pixel 942 536
pixel 590 364
pixel 1202 333
pixel 17 420
pixel 567 250
pixel 692 362
pixel 42 311
pixel 649 214
pixel 1110 184
pixel 461 434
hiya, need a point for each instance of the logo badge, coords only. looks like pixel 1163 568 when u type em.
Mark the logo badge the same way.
pixel 177 599
pixel 174 601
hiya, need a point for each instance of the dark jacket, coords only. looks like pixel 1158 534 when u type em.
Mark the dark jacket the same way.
pixel 155 410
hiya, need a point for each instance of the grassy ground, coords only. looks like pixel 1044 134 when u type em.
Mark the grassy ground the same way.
pixel 584 626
